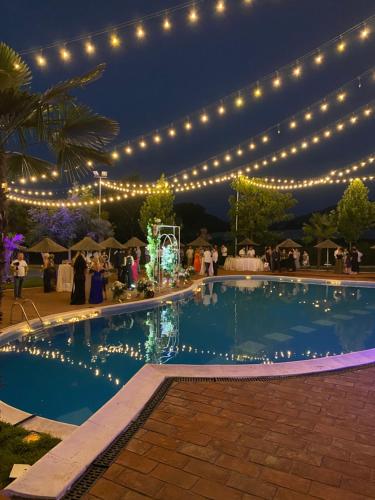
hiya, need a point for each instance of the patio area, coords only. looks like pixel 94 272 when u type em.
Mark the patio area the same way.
pixel 291 438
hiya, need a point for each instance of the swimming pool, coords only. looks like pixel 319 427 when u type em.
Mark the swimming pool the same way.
pixel 71 370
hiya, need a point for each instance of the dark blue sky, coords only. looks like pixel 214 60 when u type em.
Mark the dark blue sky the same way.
pixel 147 85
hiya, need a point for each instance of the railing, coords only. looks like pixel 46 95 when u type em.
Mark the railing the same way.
pixel 24 315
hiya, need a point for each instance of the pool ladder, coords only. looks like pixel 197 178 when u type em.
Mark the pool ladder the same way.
pixel 24 315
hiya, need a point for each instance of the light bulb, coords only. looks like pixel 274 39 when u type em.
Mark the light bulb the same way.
pixel 188 126
pixel 172 132
pixel 308 116
pixel 364 33
pixel 157 139
pixel 297 71
pixel 341 96
pixel 239 102
pixel 221 110
pixel 89 163
pixel 341 46
pixel 257 92
pixel 319 59
pixel 90 48
pixel 140 33
pixel 193 16
pixel 293 124
pixel 167 25
pixel 252 145
pixel 115 155
pixel 324 106
pixel 128 150
pixel 115 40
pixel 276 82
pixel 65 54
pixel 41 61
pixel 204 118
pixel 143 144
pixel 265 138
pixel 220 6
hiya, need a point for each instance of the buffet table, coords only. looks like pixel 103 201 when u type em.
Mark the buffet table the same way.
pixel 243 264
pixel 64 278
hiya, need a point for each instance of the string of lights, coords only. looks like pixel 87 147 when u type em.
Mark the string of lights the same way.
pixel 119 35
pixel 246 96
pixel 325 133
pixel 291 124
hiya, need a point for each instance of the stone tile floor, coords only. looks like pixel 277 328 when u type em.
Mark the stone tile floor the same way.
pixel 292 438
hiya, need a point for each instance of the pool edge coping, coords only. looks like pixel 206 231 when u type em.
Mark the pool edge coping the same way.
pixel 66 463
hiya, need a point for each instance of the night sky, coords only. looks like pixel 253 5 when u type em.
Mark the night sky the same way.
pixel 148 84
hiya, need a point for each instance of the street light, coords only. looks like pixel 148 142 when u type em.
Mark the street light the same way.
pixel 102 175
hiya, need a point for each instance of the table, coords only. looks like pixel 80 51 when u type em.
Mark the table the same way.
pixel 64 278
pixel 243 264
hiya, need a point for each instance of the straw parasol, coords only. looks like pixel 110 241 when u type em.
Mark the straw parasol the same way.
pixel 87 244
pixel 288 243
pixel 134 242
pixel 46 245
pixel 199 242
pixel 112 243
pixel 247 242
pixel 327 244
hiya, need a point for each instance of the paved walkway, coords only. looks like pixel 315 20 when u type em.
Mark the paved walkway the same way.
pixel 292 438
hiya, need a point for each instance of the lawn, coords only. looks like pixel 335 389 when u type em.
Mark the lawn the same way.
pixel 15 450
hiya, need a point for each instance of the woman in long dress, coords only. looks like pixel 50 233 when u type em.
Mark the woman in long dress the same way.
pixel 96 290
pixel 135 266
pixel 78 295
pixel 197 260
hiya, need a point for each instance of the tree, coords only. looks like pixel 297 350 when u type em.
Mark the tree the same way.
pixel 258 209
pixel 158 205
pixel 54 119
pixel 321 226
pixel 355 212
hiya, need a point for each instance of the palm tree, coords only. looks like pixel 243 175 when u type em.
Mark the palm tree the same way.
pixel 321 226
pixel 73 133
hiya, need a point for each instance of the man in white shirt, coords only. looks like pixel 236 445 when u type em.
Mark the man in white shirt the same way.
pixel 207 259
pixel 189 256
pixel 19 268
pixel 215 259
pixel 242 252
pixel 251 252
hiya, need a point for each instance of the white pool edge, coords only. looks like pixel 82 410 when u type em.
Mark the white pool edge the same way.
pixel 65 463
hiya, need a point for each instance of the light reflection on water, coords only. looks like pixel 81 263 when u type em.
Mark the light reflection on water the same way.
pixel 72 370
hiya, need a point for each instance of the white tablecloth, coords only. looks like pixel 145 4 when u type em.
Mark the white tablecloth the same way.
pixel 243 264
pixel 64 278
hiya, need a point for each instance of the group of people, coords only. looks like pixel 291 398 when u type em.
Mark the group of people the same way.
pixel 206 260
pixel 276 259
pixel 347 260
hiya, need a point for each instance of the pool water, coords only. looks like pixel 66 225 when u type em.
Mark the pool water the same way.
pixel 69 372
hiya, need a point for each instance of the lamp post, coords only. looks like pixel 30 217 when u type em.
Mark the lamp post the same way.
pixel 102 175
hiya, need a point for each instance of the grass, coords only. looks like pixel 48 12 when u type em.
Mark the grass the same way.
pixel 13 450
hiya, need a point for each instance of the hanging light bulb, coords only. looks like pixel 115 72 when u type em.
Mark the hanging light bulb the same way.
pixel 90 48
pixel 341 96
pixel 128 150
pixel 258 92
pixel 220 6
pixel 221 110
pixel 364 34
pixel 341 46
pixel 114 40
pixel 65 54
pixel 41 60
pixel 276 82
pixel 319 59
pixel 239 101
pixel 324 106
pixel 172 132
pixel 115 155
pixel 188 125
pixel 297 71
pixel 167 25
pixel 140 32
pixel 193 16
pixel 204 118
pixel 142 144
pixel 157 139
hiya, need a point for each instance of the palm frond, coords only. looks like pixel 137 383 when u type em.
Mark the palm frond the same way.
pixel 83 127
pixel 14 72
pixel 61 90
pixel 19 165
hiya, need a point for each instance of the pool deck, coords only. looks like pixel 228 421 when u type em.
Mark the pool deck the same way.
pixel 294 438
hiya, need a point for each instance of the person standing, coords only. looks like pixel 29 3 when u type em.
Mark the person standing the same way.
pixel 138 253
pixel 251 252
pixel 96 289
pixel 19 267
pixel 339 260
pixel 127 276
pixel 197 260
pixel 189 256
pixel 215 259
pixel 78 295
pixel 296 257
pixel 207 259
pixel 354 261
pixel 224 254
pixel 275 260
pixel 305 259
pixel 135 266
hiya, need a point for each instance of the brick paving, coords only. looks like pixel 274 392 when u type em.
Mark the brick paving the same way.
pixel 292 438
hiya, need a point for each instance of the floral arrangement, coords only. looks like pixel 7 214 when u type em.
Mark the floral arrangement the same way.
pixel 147 287
pixel 118 289
pixel 186 274
pixel 152 247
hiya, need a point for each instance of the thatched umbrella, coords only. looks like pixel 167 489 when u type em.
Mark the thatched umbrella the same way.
pixel 247 242
pixel 134 242
pixel 288 243
pixel 112 243
pixel 327 244
pixel 87 244
pixel 199 242
pixel 46 245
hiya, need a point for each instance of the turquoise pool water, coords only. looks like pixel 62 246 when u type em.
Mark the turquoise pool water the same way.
pixel 72 370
